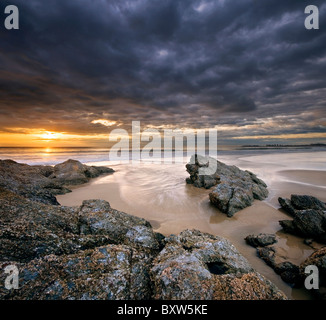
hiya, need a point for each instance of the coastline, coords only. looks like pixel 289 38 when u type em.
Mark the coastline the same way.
pixel 159 194
pixel 261 217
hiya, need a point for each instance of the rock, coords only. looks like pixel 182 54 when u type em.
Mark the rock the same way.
pixel 261 240
pixel 236 189
pixel 248 286
pixel 287 206
pixel 318 259
pixel 268 255
pixel 288 271
pixel 309 217
pixel 95 252
pixel 30 230
pixel 201 181
pixel 96 217
pixel 196 265
pixel 43 183
pixel 307 202
pixel 111 272
pixel 72 172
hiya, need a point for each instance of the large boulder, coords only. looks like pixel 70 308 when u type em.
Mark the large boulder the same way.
pixel 111 272
pixel 96 217
pixel 30 230
pixel 309 217
pixel 43 183
pixel 72 172
pixel 236 189
pixel 196 265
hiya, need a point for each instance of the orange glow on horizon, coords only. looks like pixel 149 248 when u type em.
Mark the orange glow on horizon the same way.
pixel 50 135
pixel 41 138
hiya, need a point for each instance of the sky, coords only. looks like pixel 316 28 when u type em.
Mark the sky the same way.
pixel 76 70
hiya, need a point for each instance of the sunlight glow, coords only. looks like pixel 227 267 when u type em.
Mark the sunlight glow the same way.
pixel 104 122
pixel 50 135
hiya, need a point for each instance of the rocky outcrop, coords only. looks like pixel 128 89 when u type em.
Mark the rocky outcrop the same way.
pixel 72 172
pixel 43 183
pixel 86 252
pixel 296 275
pixel 111 272
pixel 94 252
pixel 236 189
pixel 30 230
pixel 261 240
pixel 288 271
pixel 199 180
pixel 195 265
pixel 309 217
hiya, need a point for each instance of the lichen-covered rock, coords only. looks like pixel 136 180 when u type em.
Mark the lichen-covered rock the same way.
pixel 112 272
pixel 261 240
pixel 309 217
pixel 30 229
pixel 236 189
pixel 96 217
pixel 196 265
pixel 248 286
pixel 43 183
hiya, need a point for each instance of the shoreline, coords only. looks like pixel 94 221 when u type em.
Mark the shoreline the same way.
pixel 261 217
pixel 160 195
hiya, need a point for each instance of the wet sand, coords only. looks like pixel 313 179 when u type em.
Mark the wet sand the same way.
pixel 160 195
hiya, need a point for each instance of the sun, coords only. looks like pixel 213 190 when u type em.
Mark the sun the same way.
pixel 49 135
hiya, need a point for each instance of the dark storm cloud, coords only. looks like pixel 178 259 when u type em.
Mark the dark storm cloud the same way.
pixel 186 63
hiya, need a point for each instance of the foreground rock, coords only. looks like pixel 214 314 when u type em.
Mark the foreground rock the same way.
pixel 111 272
pixel 96 252
pixel 30 230
pixel 86 252
pixel 43 183
pixel 261 240
pixel 309 217
pixel 195 265
pixel 236 189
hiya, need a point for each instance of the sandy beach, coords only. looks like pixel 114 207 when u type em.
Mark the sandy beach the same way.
pixel 159 194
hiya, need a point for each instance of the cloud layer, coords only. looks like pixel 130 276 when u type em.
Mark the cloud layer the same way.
pixel 247 66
